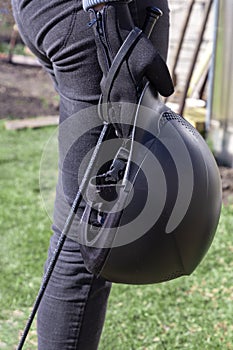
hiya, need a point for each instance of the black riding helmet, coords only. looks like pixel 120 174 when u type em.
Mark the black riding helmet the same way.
pixel 153 215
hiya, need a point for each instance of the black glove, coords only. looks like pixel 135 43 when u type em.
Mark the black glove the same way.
pixel 111 26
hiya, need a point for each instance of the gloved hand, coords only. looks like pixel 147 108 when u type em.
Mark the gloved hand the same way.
pixel 112 24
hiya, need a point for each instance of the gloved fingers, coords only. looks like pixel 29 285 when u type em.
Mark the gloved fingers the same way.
pixel 111 26
pixel 117 22
pixel 158 74
pixel 145 61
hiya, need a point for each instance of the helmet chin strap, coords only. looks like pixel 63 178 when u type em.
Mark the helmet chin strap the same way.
pixel 153 15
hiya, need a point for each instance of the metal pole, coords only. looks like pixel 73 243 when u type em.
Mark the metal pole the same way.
pixel 212 67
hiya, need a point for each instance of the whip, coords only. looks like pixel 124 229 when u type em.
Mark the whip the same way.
pixel 152 16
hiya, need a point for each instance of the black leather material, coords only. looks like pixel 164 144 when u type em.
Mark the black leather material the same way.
pixel 125 56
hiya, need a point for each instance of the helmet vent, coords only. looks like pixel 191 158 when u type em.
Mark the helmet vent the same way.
pixel 173 116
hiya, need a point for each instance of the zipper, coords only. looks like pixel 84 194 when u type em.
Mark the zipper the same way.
pixel 102 36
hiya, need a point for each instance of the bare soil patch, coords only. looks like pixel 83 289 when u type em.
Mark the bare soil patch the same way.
pixel 26 92
pixel 227 185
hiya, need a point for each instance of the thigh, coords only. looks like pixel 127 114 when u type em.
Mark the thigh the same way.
pixel 57 32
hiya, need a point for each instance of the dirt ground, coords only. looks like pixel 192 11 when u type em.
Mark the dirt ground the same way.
pixel 227 185
pixel 28 92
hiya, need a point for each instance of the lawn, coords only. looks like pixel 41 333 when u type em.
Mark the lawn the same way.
pixel 193 313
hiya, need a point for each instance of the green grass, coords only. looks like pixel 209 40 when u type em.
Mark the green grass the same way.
pixel 19 49
pixel 193 313
pixel 24 225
